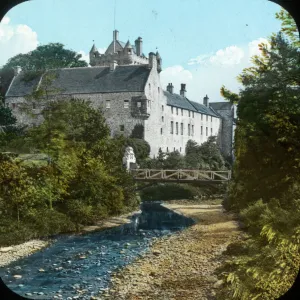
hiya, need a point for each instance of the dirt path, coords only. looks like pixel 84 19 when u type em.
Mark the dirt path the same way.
pixel 180 266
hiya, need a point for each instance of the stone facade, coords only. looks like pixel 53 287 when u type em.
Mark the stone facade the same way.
pixel 131 94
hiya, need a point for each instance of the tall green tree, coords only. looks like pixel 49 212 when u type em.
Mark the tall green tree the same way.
pixel 45 57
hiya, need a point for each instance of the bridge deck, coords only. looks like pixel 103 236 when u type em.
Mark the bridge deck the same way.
pixel 181 175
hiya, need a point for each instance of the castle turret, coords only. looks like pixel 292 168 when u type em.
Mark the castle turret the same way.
pixel 128 48
pixel 94 53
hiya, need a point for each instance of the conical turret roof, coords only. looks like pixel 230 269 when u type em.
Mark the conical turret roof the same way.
pixel 128 45
pixel 94 49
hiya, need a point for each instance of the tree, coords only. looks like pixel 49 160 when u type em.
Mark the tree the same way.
pixel 45 57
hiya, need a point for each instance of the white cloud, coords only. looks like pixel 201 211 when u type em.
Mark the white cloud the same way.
pixel 229 56
pixel 209 71
pixel 15 39
pixel 175 75
pixel 84 56
pixel 5 20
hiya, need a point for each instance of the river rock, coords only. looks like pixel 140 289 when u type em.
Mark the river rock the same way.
pixel 28 294
pixel 41 270
pixel 156 252
pixel 6 249
pixel 218 284
pixel 18 276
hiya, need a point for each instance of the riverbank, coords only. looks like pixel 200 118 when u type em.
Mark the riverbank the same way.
pixel 15 252
pixel 181 266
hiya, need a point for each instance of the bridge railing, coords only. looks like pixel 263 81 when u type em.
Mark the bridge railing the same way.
pixel 199 175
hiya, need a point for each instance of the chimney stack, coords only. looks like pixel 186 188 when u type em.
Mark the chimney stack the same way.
pixel 205 101
pixel 139 46
pixel 116 35
pixel 152 61
pixel 113 65
pixel 170 88
pixel 182 91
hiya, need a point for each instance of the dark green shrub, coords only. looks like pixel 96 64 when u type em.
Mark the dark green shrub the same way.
pixel 170 191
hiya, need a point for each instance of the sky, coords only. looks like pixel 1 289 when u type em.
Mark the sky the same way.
pixel 203 43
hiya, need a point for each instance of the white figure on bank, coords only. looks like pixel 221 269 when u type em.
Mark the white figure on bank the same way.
pixel 129 160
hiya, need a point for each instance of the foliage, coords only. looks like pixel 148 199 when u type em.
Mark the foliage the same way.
pixel 170 191
pixel 137 132
pixel 76 180
pixel 206 156
pixel 45 57
pixel 266 185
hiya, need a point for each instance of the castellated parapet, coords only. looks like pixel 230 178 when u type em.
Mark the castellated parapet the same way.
pixel 122 54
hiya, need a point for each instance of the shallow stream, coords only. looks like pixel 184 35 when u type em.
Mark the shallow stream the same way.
pixel 80 266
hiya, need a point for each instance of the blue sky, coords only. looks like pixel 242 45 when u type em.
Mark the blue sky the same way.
pixel 203 43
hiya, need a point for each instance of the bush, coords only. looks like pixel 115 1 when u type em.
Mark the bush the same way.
pixel 170 191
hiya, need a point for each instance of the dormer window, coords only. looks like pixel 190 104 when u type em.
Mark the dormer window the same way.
pixel 129 51
pixel 139 104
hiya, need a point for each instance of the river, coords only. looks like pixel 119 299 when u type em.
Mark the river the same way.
pixel 80 266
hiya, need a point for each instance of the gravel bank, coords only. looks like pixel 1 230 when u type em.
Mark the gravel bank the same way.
pixel 12 253
pixel 181 266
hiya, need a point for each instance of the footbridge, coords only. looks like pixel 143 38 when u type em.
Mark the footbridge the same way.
pixel 151 175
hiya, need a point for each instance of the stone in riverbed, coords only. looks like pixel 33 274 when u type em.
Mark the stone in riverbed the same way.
pixel 28 294
pixel 18 276
pixel 5 249
pixel 218 284
pixel 156 252
pixel 41 270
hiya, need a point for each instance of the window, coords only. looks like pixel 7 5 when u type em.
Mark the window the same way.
pixel 14 105
pixel 162 118
pixel 180 149
pixel 201 117
pixel 149 103
pixel 171 127
pixel 162 108
pixel 211 131
pixel 201 130
pixel 121 127
pixel 149 86
pixel 189 129
pixel 192 130
pixel 161 131
pixel 193 115
pixel 189 113
pixel 126 103
pixel 182 112
pixel 172 109
pixel 107 103
pixel 211 118
pixel 176 127
pixel 139 104
pixel 158 90
pixel 33 105
pixel 167 149
pixel 176 111
pixel 174 149
pixel 206 131
pixel 181 128
pixel 206 117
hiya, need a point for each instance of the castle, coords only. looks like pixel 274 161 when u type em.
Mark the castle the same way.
pixel 126 85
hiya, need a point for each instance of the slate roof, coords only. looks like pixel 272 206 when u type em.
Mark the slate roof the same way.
pixel 88 80
pixel 178 101
pixel 220 105
pixel 182 102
